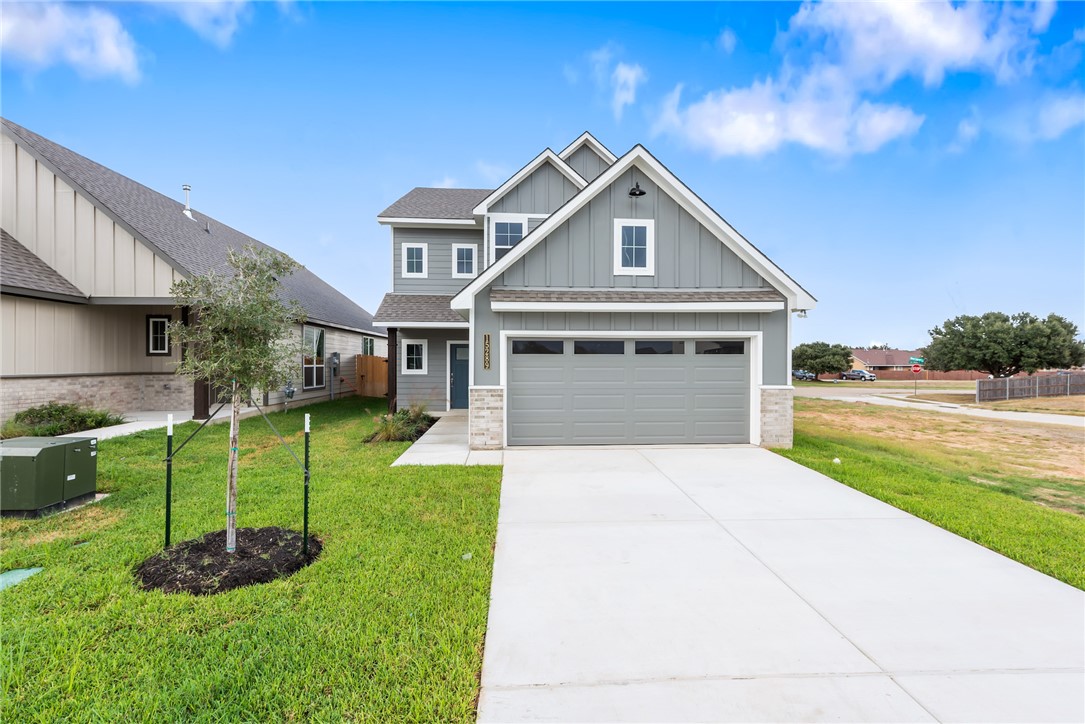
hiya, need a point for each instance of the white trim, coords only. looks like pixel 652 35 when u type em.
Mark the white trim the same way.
pixel 492 220
pixel 424 274
pixel 448 372
pixel 650 252
pixel 798 298
pixel 425 356
pixel 777 387
pixel 586 139
pixel 474 261
pixel 789 361
pixel 426 325
pixel 535 163
pixel 763 307
pixel 756 371
pixel 323 366
pixel 151 319
pixel 411 222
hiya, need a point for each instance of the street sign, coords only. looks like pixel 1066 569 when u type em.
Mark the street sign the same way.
pixel 916 369
pixel 916 360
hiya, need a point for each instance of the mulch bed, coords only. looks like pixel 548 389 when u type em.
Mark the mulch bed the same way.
pixel 202 566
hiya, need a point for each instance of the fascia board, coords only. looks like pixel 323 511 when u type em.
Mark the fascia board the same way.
pixel 586 139
pixel 547 155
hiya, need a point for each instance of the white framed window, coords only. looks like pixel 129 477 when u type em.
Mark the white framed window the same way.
pixel 506 231
pixel 367 345
pixel 415 357
pixel 312 361
pixel 158 340
pixel 464 261
pixel 415 260
pixel 634 247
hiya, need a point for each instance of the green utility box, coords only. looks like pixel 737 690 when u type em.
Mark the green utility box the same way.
pixel 39 474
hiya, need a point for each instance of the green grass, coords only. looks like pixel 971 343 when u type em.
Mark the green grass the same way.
pixel 1051 541
pixel 387 624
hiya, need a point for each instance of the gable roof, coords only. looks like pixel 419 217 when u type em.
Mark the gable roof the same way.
pixel 586 139
pixel 23 272
pixel 546 156
pixel 430 203
pixel 797 297
pixel 193 247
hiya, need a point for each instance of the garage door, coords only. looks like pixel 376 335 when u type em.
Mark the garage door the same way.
pixel 585 391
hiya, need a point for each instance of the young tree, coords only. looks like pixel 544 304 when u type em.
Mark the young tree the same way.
pixel 821 358
pixel 1002 345
pixel 241 334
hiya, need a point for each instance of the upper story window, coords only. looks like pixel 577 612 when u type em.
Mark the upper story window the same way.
pixel 158 341
pixel 415 260
pixel 634 247
pixel 507 234
pixel 464 264
pixel 312 362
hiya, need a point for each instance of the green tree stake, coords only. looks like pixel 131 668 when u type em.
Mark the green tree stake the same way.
pixel 169 474
pixel 305 515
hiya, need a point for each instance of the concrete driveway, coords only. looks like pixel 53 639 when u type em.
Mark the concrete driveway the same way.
pixel 730 584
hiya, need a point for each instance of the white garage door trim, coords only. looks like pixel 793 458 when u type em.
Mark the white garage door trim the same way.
pixel 754 338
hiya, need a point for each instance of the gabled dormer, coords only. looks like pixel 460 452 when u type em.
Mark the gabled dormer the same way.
pixel 520 204
pixel 587 156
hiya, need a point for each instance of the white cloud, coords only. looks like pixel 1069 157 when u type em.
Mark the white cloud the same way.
pixel 727 40
pixel 491 173
pixel 838 56
pixel 89 39
pixel 968 130
pixel 447 182
pixel 216 21
pixel 1058 114
pixel 624 81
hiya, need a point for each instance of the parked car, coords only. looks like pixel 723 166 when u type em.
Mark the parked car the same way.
pixel 861 375
pixel 803 375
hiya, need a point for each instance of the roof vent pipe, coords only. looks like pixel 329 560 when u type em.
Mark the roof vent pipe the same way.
pixel 188 210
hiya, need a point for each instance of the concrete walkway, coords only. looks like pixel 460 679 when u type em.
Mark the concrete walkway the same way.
pixel 446 444
pixel 154 419
pixel 730 584
pixel 896 398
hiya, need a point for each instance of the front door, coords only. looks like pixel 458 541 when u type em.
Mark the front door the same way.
pixel 457 376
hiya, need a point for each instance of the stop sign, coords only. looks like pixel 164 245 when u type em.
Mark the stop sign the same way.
pixel 916 369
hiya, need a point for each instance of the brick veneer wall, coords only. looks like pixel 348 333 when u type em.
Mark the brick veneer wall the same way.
pixel 777 416
pixel 116 393
pixel 486 418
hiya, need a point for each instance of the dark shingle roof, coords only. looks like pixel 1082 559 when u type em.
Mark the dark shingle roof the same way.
pixel 397 308
pixel 22 270
pixel 424 203
pixel 498 294
pixel 158 220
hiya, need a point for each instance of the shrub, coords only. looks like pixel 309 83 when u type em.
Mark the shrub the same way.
pixel 405 425
pixel 57 418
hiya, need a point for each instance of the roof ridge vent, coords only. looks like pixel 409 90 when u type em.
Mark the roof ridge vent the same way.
pixel 188 209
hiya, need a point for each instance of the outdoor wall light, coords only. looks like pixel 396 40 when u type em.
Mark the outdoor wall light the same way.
pixel 288 390
pixel 636 192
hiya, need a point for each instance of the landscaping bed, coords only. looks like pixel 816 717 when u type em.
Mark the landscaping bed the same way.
pixel 387 624
pixel 1015 488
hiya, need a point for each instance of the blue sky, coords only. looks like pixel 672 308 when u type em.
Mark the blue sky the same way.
pixel 906 163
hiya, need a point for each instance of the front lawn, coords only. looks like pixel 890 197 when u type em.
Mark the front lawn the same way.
pixel 386 625
pixel 1016 489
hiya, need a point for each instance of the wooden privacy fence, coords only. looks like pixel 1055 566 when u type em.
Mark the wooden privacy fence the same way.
pixel 1015 388
pixel 371 375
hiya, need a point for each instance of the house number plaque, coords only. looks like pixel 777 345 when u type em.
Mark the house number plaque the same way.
pixel 485 351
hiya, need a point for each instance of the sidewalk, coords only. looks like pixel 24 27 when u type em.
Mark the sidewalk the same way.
pixel 446 444
pixel 153 419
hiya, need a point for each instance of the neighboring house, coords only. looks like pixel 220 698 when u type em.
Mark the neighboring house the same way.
pixel 588 300
pixel 89 257
pixel 882 360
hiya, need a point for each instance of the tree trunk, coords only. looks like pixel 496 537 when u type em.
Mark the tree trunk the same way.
pixel 231 473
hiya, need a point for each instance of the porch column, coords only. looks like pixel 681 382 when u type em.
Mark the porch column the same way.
pixel 393 353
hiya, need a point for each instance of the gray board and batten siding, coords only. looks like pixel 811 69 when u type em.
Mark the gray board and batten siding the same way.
pixel 428 389
pixel 607 393
pixel 543 191
pixel 438 279
pixel 587 163
pixel 580 252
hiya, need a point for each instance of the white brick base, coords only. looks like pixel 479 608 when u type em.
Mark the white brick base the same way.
pixel 486 418
pixel 116 393
pixel 777 416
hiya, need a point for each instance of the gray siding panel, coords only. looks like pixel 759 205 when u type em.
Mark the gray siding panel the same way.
pixel 542 192
pixel 439 254
pixel 587 163
pixel 428 389
pixel 688 256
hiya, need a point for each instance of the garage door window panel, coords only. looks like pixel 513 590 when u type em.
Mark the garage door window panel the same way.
pixel 659 346
pixel 538 346
pixel 601 346
pixel 727 346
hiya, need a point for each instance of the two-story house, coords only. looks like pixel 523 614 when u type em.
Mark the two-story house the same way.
pixel 86 266
pixel 589 299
